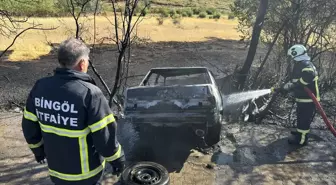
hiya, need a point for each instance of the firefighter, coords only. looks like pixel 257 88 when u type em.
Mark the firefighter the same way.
pixel 68 122
pixel 304 74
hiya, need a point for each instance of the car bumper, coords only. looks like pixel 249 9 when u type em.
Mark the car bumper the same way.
pixel 171 119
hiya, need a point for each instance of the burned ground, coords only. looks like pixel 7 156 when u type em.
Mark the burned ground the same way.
pixel 221 56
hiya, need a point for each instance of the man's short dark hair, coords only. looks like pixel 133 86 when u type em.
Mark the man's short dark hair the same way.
pixel 70 51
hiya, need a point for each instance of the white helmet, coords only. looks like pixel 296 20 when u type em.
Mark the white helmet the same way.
pixel 297 50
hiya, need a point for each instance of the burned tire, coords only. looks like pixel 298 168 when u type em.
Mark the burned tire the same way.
pixel 145 173
pixel 214 133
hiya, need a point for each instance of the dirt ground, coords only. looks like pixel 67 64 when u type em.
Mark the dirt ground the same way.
pixel 18 166
pixel 248 154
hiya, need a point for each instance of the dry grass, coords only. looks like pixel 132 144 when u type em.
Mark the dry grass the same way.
pixel 33 44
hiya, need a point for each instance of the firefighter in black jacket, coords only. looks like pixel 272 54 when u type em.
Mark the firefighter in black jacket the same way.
pixel 67 121
pixel 304 74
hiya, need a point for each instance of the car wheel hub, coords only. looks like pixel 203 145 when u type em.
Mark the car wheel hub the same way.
pixel 146 176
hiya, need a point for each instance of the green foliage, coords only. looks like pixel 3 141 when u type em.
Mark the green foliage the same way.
pixel 29 8
pixel 189 12
pixel 141 10
pixel 202 15
pixel 164 12
pixel 184 14
pixel 196 11
pixel 172 12
pixel 245 11
pixel 120 9
pixel 231 16
pixel 61 7
pixel 144 12
pixel 211 11
pixel 176 19
pixel 217 15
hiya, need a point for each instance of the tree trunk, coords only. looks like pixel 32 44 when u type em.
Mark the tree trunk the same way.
pixel 254 43
pixel 254 83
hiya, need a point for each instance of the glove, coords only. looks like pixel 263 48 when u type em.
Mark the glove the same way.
pixel 39 154
pixel 40 159
pixel 118 165
pixel 287 86
pixel 275 89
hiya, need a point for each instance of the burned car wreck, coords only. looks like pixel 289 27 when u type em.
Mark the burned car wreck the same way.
pixel 177 97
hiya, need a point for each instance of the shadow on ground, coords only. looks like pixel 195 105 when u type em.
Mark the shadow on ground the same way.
pixel 169 147
pixel 23 173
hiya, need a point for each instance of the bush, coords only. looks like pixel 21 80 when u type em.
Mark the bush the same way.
pixel 172 12
pixel 160 20
pixel 144 12
pixel 202 15
pixel 164 12
pixel 155 10
pixel 179 11
pixel 217 16
pixel 188 12
pixel 184 14
pixel 231 16
pixel 120 9
pixel 211 11
pixel 176 20
pixel 196 11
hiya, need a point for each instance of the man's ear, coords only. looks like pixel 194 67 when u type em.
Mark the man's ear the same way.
pixel 81 64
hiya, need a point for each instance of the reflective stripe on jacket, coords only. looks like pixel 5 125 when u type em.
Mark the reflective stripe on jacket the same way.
pixel 67 117
pixel 304 74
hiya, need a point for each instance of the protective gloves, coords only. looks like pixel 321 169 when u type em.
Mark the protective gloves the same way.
pixel 287 86
pixel 275 89
pixel 39 154
pixel 283 89
pixel 40 159
pixel 118 165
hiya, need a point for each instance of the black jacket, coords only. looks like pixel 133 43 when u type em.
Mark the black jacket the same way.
pixel 304 74
pixel 67 117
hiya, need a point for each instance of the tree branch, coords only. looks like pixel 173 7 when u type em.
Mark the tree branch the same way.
pixel 36 27
pixel 267 54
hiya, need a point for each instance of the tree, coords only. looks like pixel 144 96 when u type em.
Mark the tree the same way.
pixel 290 22
pixel 12 26
pixel 124 24
pixel 124 27
pixel 254 43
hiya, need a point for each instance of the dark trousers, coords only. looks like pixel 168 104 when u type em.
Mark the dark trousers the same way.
pixel 305 113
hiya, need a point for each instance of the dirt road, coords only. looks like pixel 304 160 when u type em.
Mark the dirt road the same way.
pixel 249 154
pixel 18 167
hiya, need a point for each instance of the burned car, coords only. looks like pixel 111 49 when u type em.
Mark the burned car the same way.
pixel 177 97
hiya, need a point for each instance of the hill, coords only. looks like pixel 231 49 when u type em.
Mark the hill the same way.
pixel 221 4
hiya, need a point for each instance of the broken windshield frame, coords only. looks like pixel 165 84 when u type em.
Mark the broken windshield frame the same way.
pixel 175 76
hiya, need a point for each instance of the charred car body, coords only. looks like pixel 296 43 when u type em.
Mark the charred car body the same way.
pixel 176 97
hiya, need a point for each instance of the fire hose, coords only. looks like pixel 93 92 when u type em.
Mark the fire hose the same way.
pixel 321 111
